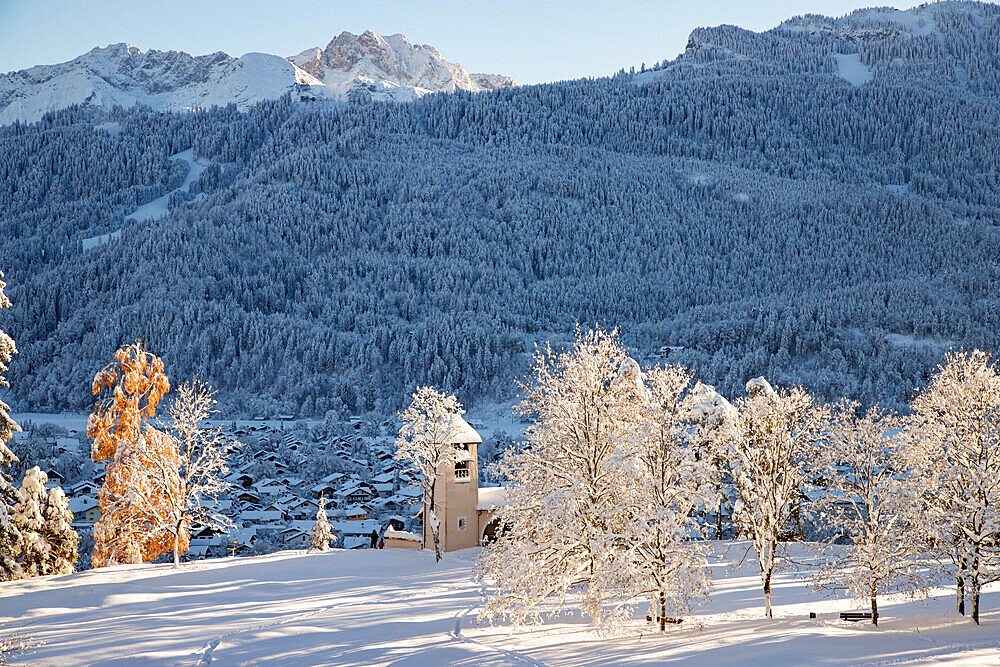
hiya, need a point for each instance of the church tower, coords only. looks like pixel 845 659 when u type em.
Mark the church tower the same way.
pixel 457 491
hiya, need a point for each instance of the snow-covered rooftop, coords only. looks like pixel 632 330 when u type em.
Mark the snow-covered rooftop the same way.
pixel 460 433
pixel 491 497
pixel 400 535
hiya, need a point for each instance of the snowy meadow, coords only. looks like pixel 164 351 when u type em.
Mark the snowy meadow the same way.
pixel 399 607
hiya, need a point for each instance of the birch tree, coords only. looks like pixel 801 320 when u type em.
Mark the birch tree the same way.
pixel 203 461
pixel 670 485
pixel 952 443
pixel 179 474
pixel 429 424
pixel 774 439
pixel 130 390
pixel 10 539
pixel 874 507
pixel 567 491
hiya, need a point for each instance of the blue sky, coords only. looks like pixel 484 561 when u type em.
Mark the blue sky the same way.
pixel 531 41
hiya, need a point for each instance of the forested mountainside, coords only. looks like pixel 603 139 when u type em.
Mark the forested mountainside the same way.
pixel 819 203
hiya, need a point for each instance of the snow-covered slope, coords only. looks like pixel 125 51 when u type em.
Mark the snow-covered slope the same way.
pixel 124 75
pixel 384 68
pixel 400 607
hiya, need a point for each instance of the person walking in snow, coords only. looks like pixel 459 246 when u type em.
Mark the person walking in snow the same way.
pixel 374 537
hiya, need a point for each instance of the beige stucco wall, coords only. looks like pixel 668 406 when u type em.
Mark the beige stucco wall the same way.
pixel 457 499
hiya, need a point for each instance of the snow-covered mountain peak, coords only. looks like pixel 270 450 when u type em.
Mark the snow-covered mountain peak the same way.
pixel 351 67
pixel 390 66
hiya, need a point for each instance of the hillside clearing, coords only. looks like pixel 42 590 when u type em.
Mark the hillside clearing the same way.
pixel 397 607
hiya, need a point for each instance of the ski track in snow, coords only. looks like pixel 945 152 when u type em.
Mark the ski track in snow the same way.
pixel 461 616
pixel 159 207
pixel 209 648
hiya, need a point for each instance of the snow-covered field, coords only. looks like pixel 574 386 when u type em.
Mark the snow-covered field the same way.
pixel 399 607
pixel 851 69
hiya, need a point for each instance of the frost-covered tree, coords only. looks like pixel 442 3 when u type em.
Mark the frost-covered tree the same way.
pixel 202 462
pixel 10 539
pixel 48 542
pixel 712 421
pixel 7 351
pixel 130 390
pixel 429 425
pixel 773 443
pixel 669 483
pixel 870 503
pixel 149 469
pixel 567 490
pixel 177 476
pixel 322 533
pixel 58 533
pixel 29 514
pixel 952 444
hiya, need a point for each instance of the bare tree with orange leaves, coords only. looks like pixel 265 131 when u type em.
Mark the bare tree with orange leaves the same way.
pixel 183 470
pixel 130 390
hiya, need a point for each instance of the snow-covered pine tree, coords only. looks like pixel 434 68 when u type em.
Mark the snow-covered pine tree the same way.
pixel 669 484
pixel 58 533
pixel 321 534
pixel 773 443
pixel 568 489
pixel 429 424
pixel 872 504
pixel 29 515
pixel 952 444
pixel 10 538
pixel 131 389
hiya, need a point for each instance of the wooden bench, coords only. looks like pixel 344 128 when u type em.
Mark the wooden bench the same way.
pixel 855 616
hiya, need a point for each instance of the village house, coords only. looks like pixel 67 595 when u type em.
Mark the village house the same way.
pixel 86 511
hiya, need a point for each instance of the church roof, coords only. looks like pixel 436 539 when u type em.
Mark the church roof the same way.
pixel 460 433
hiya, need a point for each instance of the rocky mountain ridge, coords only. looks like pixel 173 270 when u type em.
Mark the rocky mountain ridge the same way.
pixel 352 67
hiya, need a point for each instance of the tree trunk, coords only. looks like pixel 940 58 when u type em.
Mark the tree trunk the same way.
pixel 874 604
pixel 436 535
pixel 975 599
pixel 434 524
pixel 718 522
pixel 663 612
pixel 767 595
pixel 177 543
pixel 960 594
